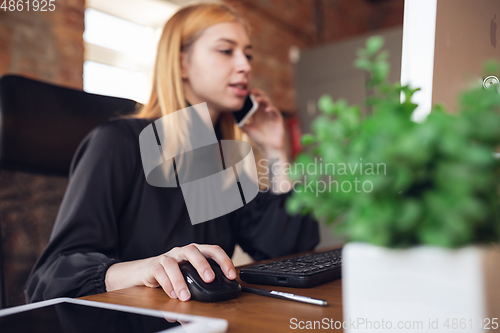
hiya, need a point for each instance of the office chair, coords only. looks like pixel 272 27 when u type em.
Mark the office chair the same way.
pixel 41 126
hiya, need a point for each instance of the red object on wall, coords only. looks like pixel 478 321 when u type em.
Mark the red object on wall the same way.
pixel 295 134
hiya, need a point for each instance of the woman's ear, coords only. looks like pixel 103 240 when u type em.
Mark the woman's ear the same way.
pixel 184 61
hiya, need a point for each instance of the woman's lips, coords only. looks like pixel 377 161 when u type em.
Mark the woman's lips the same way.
pixel 238 91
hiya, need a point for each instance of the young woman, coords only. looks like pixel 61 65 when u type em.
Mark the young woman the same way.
pixel 114 230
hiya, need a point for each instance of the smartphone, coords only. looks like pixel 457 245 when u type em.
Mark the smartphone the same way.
pixel 250 106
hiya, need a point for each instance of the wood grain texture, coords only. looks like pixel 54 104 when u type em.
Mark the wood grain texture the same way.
pixel 247 313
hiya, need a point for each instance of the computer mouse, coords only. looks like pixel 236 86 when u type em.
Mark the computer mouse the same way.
pixel 220 289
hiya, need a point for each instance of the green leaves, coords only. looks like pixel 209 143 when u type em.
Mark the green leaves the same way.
pixel 307 139
pixel 373 61
pixel 326 105
pixel 373 45
pixel 397 183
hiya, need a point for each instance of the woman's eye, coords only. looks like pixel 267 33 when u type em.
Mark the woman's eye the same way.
pixel 230 52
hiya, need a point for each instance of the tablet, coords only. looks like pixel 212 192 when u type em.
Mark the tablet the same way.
pixel 76 315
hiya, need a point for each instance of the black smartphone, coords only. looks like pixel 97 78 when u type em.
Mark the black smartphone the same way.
pixel 250 106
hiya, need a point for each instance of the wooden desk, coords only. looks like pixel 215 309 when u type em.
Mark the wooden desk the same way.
pixel 247 313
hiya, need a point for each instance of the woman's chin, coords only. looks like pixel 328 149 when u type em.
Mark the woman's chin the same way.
pixel 233 106
pixel 226 103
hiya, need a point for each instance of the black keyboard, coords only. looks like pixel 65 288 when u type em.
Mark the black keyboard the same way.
pixel 302 272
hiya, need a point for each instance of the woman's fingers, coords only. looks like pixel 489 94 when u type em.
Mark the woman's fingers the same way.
pixel 219 255
pixel 198 260
pixel 257 92
pixel 168 275
pixel 265 102
pixel 161 277
pixel 176 278
pixel 260 96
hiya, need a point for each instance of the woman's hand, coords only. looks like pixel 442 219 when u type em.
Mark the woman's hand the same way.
pixel 164 270
pixel 266 128
pixel 266 125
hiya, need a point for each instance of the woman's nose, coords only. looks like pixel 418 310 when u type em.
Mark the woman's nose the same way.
pixel 243 64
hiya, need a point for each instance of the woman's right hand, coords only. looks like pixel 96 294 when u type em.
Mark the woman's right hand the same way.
pixel 164 270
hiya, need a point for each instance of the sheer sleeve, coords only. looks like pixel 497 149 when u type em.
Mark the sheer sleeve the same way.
pixel 265 230
pixel 84 240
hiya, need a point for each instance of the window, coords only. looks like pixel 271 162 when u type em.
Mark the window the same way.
pixel 119 53
pixel 103 79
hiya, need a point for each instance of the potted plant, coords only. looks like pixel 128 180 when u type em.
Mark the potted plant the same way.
pixel 417 202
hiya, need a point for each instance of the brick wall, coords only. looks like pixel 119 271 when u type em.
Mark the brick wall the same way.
pixel 278 24
pixel 44 45
pixel 49 45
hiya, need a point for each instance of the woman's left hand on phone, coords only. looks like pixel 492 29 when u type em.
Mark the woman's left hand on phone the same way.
pixel 266 125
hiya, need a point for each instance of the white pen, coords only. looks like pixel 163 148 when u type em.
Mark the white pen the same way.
pixel 283 295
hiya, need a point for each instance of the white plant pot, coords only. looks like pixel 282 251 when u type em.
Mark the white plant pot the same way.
pixel 420 289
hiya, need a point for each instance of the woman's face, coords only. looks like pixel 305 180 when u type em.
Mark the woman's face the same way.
pixel 216 68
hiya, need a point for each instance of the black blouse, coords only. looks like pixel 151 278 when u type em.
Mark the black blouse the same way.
pixel 110 213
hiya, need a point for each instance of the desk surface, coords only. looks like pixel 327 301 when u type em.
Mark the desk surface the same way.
pixel 247 313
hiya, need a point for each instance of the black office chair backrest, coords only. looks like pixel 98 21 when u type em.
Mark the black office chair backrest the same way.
pixel 41 125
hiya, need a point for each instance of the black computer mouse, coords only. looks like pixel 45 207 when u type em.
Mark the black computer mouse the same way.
pixel 220 289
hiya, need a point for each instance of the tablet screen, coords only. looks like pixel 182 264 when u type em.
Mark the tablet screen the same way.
pixel 69 317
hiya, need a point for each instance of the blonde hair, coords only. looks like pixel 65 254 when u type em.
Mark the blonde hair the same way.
pixel 179 33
